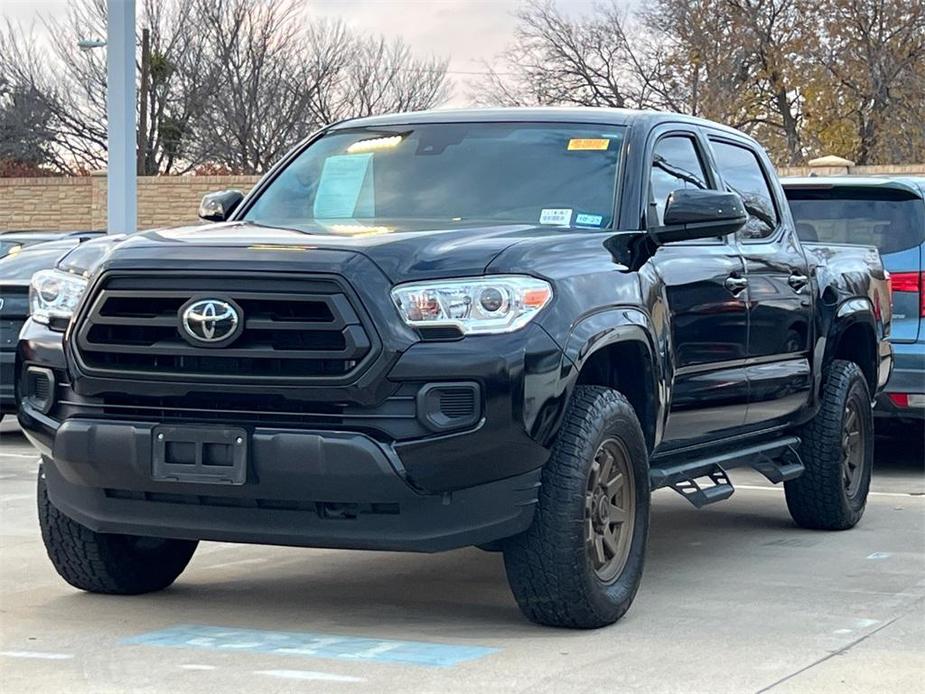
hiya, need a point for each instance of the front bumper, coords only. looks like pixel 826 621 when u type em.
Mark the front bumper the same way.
pixel 318 486
pixel 312 489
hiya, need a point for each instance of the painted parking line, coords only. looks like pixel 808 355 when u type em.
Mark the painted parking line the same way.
pixel 780 490
pixel 312 645
pixel 310 675
pixel 38 655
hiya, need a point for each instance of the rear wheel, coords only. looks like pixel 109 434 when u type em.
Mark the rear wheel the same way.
pixel 108 563
pixel 580 563
pixel 838 451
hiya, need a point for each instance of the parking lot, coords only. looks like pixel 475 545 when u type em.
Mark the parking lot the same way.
pixel 735 598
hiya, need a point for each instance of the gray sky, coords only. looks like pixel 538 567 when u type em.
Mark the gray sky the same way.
pixel 466 31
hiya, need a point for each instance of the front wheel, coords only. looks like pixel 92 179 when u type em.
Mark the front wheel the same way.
pixel 580 563
pixel 108 563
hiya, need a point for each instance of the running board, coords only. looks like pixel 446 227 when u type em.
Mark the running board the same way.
pixel 777 460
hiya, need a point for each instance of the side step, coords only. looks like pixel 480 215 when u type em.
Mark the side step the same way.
pixel 700 496
pixel 787 467
pixel 777 460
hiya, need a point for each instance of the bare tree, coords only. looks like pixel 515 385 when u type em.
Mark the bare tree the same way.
pixel 355 75
pixel 181 83
pixel 803 76
pixel 698 63
pixel 74 137
pixel 279 80
pixel 779 36
pixel 876 57
pixel 258 110
pixel 384 76
pixel 25 138
pixel 233 83
pixel 558 60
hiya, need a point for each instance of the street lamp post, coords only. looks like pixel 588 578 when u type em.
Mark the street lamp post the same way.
pixel 143 101
pixel 122 216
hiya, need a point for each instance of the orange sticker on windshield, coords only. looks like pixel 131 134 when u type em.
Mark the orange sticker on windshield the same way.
pixel 577 143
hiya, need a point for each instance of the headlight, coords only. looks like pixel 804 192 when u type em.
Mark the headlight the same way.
pixel 54 294
pixel 477 306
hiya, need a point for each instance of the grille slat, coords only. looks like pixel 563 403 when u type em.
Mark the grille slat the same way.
pixel 133 327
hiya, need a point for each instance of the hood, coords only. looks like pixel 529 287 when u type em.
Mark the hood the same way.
pixel 402 253
pixel 18 268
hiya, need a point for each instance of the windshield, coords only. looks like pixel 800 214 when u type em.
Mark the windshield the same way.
pixel 448 175
pixel 890 220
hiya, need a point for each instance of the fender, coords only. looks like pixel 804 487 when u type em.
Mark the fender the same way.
pixel 619 325
pixel 835 323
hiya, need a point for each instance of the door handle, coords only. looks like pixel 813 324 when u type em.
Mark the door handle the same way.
pixel 797 281
pixel 735 284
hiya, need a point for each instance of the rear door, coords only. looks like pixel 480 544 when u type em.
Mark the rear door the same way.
pixel 779 296
pixel 890 218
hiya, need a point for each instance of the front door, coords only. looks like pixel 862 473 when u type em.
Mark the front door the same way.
pixel 704 283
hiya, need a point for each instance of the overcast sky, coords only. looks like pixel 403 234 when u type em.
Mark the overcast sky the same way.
pixel 466 31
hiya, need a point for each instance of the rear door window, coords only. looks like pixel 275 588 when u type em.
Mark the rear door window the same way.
pixel 743 174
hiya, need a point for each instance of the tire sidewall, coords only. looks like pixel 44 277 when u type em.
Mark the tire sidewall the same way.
pixel 857 390
pixel 614 596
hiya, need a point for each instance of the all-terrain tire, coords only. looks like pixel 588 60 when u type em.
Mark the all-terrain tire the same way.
pixel 549 566
pixel 825 496
pixel 107 563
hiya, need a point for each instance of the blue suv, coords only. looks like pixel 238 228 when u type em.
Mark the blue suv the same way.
pixel 888 213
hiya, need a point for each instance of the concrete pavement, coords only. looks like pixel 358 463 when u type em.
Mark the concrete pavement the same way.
pixel 735 599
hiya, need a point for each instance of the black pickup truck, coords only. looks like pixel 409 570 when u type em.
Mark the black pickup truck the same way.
pixel 433 330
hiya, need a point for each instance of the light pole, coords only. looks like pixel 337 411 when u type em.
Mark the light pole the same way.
pixel 121 209
pixel 143 101
pixel 124 157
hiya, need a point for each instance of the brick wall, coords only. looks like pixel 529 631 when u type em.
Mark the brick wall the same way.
pixel 71 203
pixel 891 170
pixel 80 202
pixel 46 203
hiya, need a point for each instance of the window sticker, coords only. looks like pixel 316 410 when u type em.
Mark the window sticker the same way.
pixel 588 220
pixel 341 185
pixel 588 144
pixel 557 216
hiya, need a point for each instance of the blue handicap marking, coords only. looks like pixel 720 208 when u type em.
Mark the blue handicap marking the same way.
pixel 311 644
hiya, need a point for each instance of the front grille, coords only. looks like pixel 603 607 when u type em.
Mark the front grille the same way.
pixel 294 329
pixel 9 333
pixel 14 309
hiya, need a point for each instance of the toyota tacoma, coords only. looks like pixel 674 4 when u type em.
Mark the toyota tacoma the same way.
pixel 426 331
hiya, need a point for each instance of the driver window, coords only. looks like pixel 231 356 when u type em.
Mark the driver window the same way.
pixel 675 165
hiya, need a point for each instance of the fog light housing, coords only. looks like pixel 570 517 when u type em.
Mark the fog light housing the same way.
pixel 37 389
pixel 445 406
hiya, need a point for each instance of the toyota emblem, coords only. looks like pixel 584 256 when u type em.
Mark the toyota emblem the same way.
pixel 212 322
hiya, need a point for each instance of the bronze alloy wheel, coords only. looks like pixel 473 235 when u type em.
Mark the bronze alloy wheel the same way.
pixel 580 562
pixel 610 505
pixel 852 444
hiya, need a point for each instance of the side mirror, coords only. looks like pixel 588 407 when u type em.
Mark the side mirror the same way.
pixel 217 207
pixel 700 214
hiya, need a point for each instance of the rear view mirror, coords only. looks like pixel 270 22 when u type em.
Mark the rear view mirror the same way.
pixel 217 207
pixel 700 214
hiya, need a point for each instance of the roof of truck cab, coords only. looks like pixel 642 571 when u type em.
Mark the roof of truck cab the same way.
pixel 911 184
pixel 546 114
